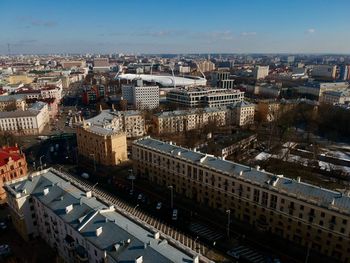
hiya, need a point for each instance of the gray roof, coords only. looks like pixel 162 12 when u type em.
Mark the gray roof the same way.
pixel 88 214
pixel 306 192
pixel 12 97
pixel 34 110
pixel 165 114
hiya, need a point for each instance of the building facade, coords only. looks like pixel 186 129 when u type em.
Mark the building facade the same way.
pixel 260 72
pixel 185 120
pixel 140 96
pixel 299 212
pixel 13 165
pixel 12 102
pixel 29 122
pixel 102 145
pixel 204 97
pixel 82 227
pixel 324 71
pixel 241 113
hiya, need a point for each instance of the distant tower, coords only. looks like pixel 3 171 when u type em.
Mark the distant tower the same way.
pixel 208 56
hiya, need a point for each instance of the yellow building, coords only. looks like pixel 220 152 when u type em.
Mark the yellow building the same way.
pixel 14 79
pixel 103 145
pixel 302 213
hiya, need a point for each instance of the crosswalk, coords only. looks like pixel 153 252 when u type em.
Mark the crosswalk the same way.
pixel 140 216
pixel 205 232
pixel 249 254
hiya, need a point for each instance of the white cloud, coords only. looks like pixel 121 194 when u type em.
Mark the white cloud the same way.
pixel 244 34
pixel 310 31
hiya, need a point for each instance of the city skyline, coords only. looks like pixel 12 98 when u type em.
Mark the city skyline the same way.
pixel 41 27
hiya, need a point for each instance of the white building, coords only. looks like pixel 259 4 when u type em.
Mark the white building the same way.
pixel 29 122
pixel 82 227
pixel 204 97
pixel 261 72
pixel 140 96
pixel 241 113
pixel 336 97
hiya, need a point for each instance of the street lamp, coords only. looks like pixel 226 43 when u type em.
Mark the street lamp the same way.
pixel 171 196
pixel 93 155
pixel 228 212
pixel 131 177
pixel 93 187
pixel 136 206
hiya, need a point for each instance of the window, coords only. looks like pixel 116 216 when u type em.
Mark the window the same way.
pixel 265 196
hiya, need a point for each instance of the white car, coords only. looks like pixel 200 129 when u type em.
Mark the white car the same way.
pixel 3 225
pixel 159 205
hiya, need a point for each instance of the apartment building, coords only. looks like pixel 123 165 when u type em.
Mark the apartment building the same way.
pixel 12 166
pixel 141 96
pixel 241 113
pixel 12 102
pixel 29 122
pixel 260 72
pixel 102 144
pixel 324 71
pixel 206 66
pixel 83 228
pixel 185 120
pixel 131 122
pixel 335 97
pixel 204 97
pixel 302 213
pixel 315 89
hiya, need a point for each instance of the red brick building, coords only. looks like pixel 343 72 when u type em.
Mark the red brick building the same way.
pixel 12 165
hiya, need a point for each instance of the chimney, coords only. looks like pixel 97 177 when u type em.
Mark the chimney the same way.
pixel 46 191
pixel 99 231
pixel 69 208
pixel 88 194
pixel 156 235
pixel 139 259
pixel 298 179
pixel 100 107
pixel 113 108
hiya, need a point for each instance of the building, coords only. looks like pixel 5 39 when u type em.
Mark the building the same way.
pixel 221 79
pixel 204 97
pixel 260 72
pixel 12 102
pixel 335 97
pixel 344 72
pixel 185 120
pixel 241 113
pixel 25 122
pixel 91 94
pixel 302 213
pixel 20 78
pixel 13 165
pixel 268 110
pixel 316 89
pixel 102 145
pixel 131 122
pixel 140 96
pixel 68 64
pixel 101 65
pixel 206 66
pixel 82 227
pixel 324 71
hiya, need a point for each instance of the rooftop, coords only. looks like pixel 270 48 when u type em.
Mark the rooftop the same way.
pixel 121 238
pixel 7 152
pixel 309 193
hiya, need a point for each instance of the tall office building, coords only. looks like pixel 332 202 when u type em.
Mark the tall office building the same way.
pixel 344 72
pixel 140 96
pixel 324 71
pixel 260 72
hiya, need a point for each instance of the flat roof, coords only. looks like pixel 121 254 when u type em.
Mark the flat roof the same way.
pixel 301 190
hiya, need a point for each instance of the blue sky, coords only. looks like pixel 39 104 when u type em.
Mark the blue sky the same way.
pixel 177 26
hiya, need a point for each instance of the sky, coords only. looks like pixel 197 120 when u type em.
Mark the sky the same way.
pixel 177 26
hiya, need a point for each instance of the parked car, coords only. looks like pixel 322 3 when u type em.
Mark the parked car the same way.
pixel 3 226
pixel 5 250
pixel 159 205
pixel 174 217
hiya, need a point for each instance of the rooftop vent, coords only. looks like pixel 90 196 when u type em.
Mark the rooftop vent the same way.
pixel 69 208
pixel 258 168
pixel 196 259
pixel 46 191
pixel 139 259
pixel 240 173
pixel 99 231
pixel 88 194
pixel 298 179
pixel 156 235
